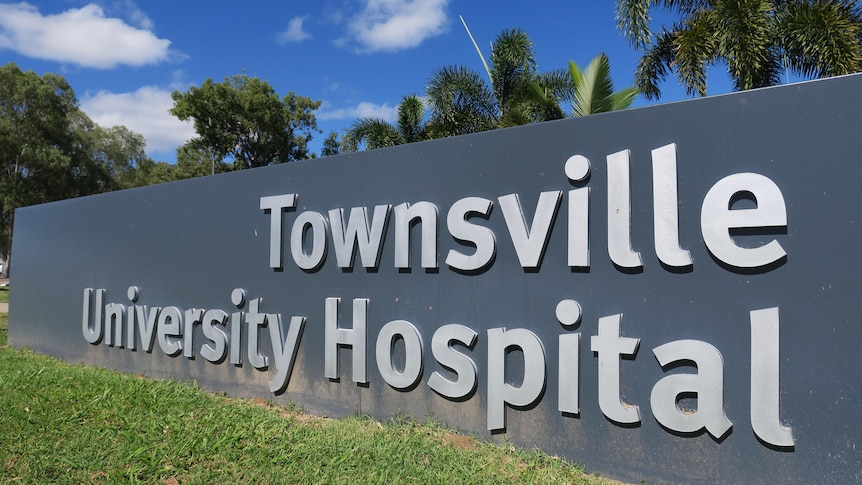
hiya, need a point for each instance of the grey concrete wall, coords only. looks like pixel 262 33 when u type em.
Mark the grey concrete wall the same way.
pixel 191 244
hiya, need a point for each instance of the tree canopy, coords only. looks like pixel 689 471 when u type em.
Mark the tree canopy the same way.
pixel 756 39
pixel 51 150
pixel 243 120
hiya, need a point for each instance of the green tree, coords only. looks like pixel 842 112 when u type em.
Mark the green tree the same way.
pixel 195 161
pixel 244 121
pixel 331 145
pixel 121 152
pixel 50 149
pixel 756 39
pixel 379 133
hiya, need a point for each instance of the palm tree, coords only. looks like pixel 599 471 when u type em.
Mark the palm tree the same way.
pixel 379 133
pixel 756 39
pixel 462 102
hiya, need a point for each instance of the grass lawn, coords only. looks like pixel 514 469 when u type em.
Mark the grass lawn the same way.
pixel 4 294
pixel 63 423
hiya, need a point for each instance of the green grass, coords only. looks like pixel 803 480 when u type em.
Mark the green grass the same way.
pixel 4 294
pixel 63 423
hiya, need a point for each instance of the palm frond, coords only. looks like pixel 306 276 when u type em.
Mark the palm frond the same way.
pixel 478 51
pixel 410 114
pixel 460 102
pixel 374 132
pixel 624 98
pixel 633 20
pixel 654 64
pixel 593 94
pixel 821 38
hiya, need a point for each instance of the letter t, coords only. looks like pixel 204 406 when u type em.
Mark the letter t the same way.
pixel 609 345
pixel 276 204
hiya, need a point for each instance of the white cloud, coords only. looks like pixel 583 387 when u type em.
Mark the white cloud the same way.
pixel 144 111
pixel 79 36
pixel 135 14
pixel 361 110
pixel 294 32
pixel 390 25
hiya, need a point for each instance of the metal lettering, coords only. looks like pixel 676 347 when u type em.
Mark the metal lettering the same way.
pixel 216 350
pixel 707 384
pixel 412 354
pixel 146 321
pixel 254 319
pixel 665 208
pixel 426 214
pixel 609 346
pixel 92 333
pixel 237 297
pixel 193 317
pixel 765 416
pixel 114 313
pixel 283 350
pixel 314 224
pixel 463 230
pixel 276 204
pixel 500 392
pixel 357 231
pixel 619 212
pixel 568 313
pixel 717 219
pixel 577 170
pixel 530 240
pixel 354 338
pixel 579 228
pixel 462 365
pixel 132 293
pixel 170 327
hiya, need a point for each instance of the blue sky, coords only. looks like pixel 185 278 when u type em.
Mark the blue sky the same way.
pixel 124 57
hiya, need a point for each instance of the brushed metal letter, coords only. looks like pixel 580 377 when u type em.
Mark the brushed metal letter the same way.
pixel 665 208
pixel 276 204
pixel 579 228
pixel 284 350
pixel 530 242
pixel 354 338
pixel 316 224
pixel 254 319
pixel 460 363
pixel 405 214
pixel 114 323
pixel 216 349
pixel 568 313
pixel 707 383
pixel 765 416
pixel 577 170
pixel 462 230
pixel 609 345
pixel 357 231
pixel 193 317
pixel 619 212
pixel 92 333
pixel 412 354
pixel 717 219
pixel 169 327
pixel 499 391
pixel 237 297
